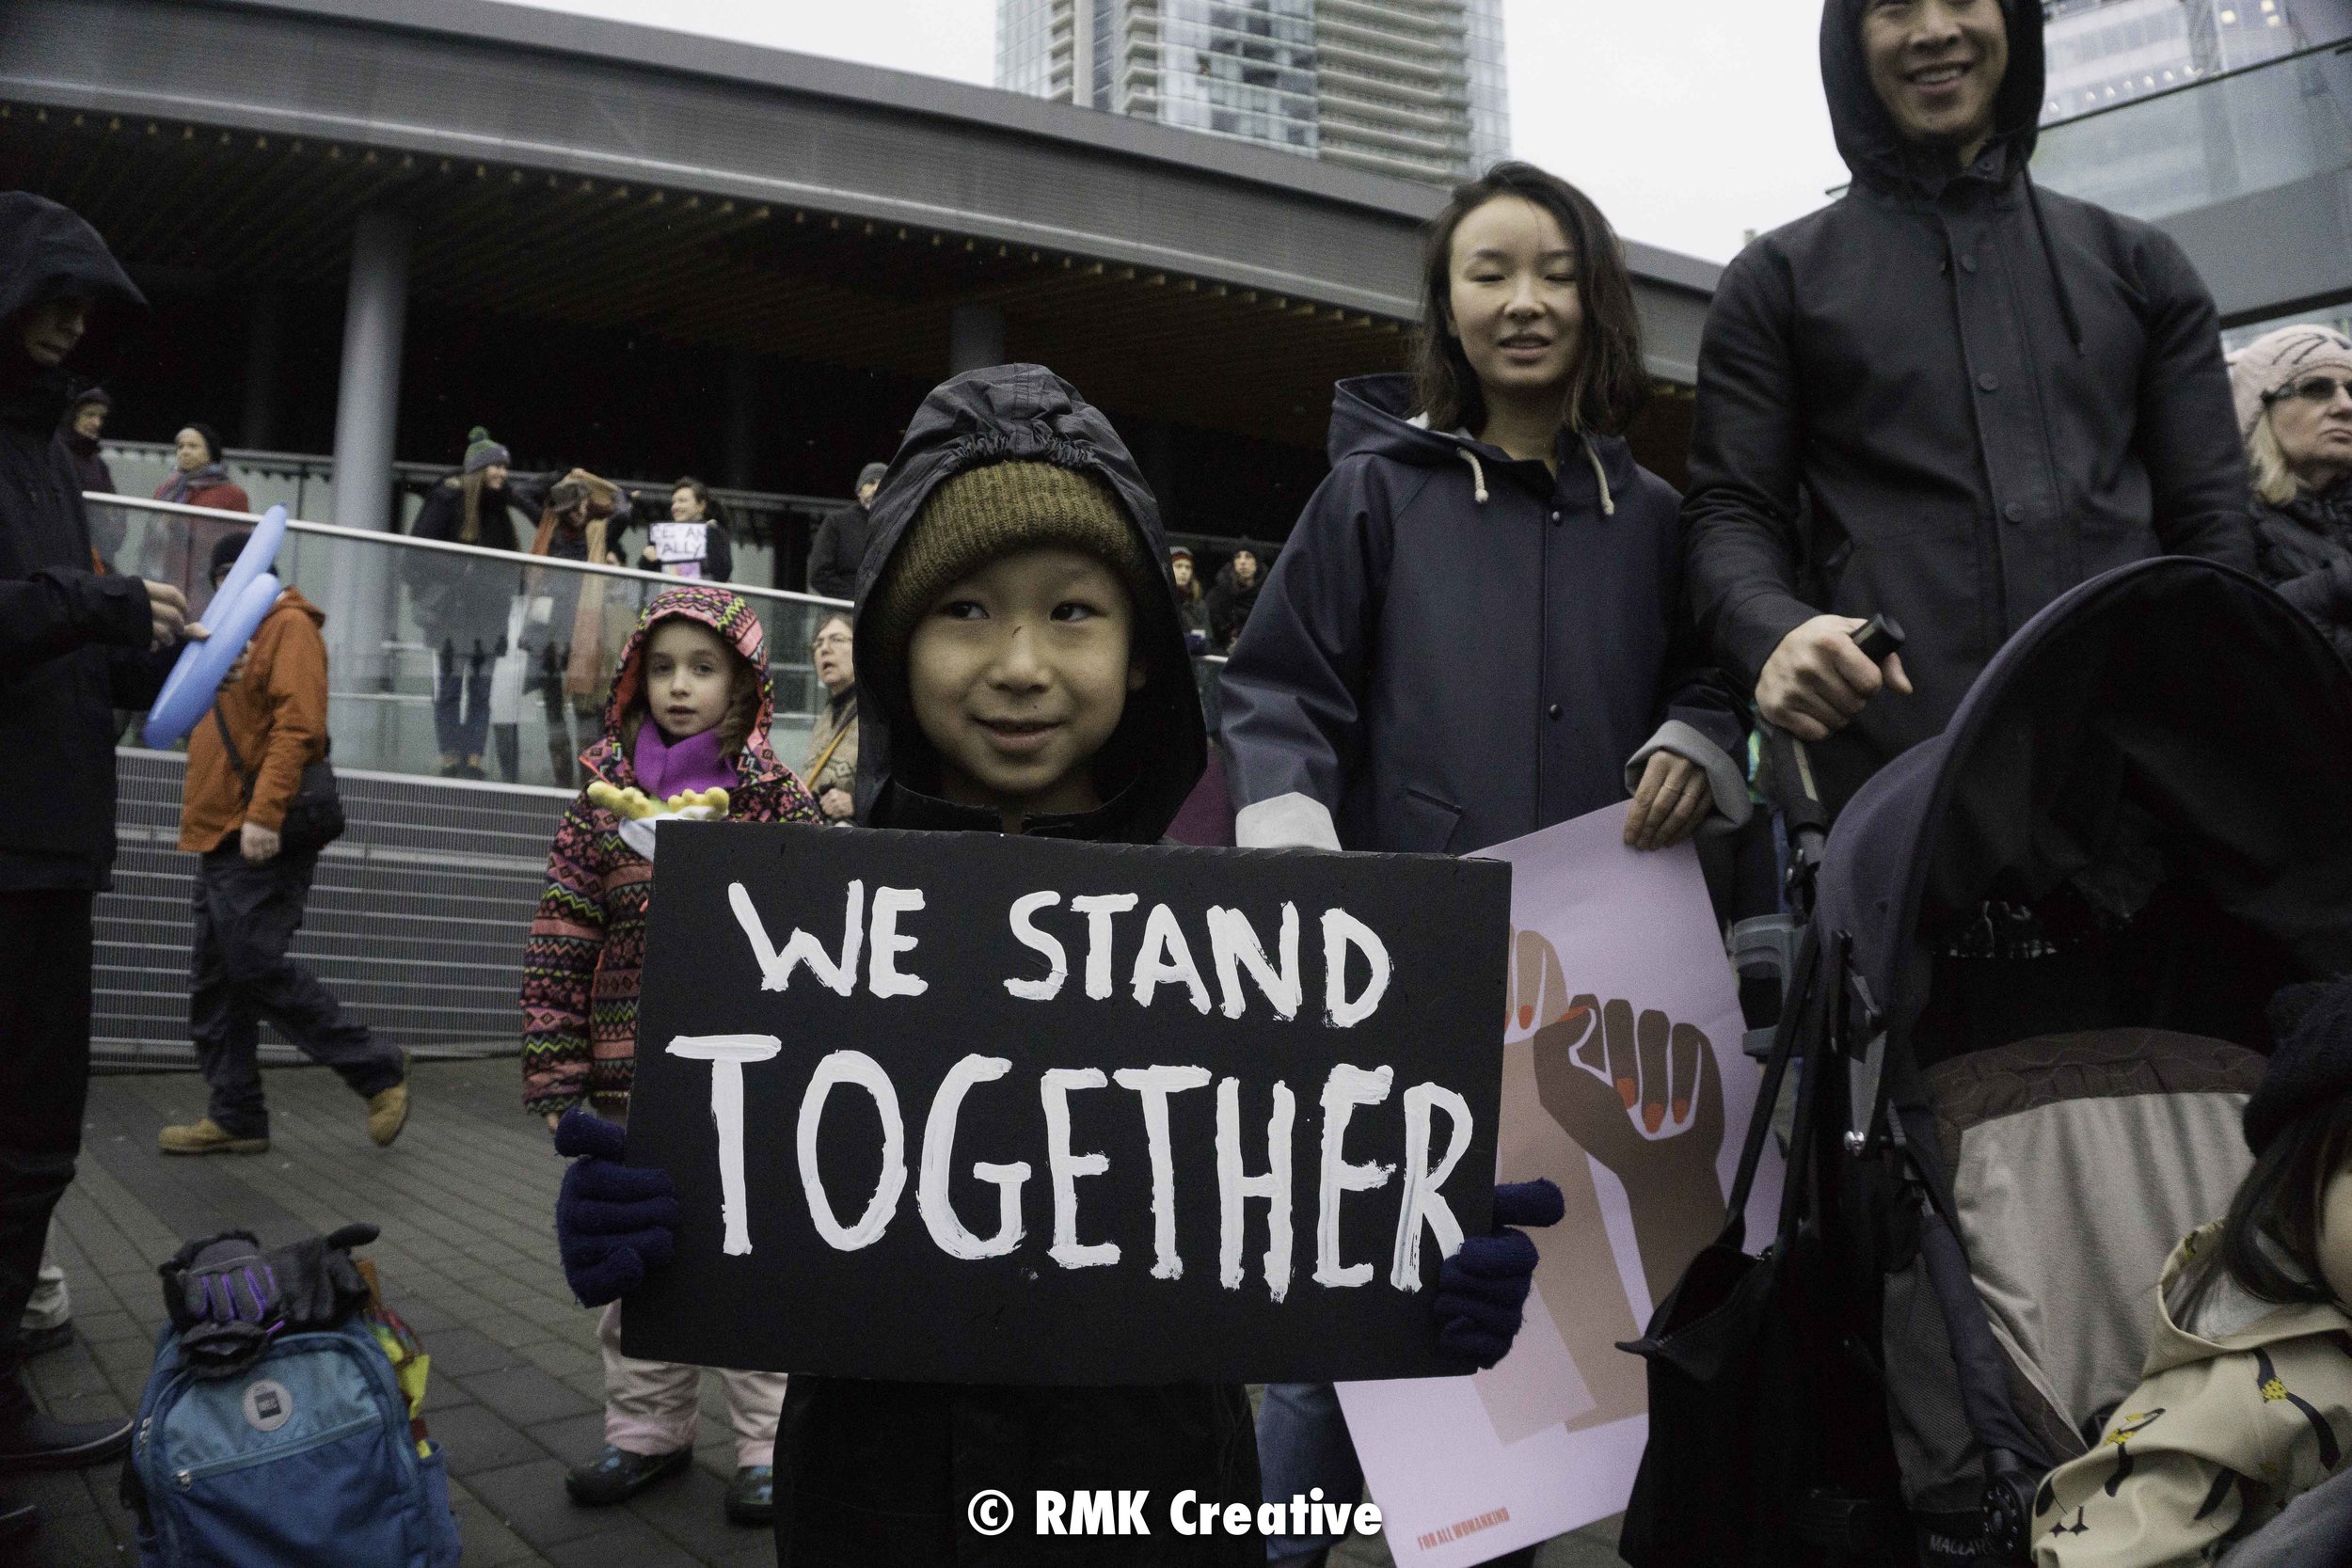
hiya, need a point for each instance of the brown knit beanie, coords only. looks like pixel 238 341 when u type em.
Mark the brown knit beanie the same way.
pixel 984 513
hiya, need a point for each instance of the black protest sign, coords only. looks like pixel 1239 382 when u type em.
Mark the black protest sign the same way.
pixel 961 1107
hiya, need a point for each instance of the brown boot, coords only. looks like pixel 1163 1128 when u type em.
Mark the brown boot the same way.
pixel 388 1109
pixel 206 1137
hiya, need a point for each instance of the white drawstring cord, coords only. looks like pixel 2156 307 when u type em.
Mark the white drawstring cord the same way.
pixel 1608 502
pixel 1478 472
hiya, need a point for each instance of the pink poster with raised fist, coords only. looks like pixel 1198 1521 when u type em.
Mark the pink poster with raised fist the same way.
pixel 1623 1081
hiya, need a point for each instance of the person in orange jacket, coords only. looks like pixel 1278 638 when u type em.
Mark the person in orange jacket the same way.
pixel 244 764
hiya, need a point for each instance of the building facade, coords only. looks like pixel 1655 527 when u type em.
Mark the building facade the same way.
pixel 2105 52
pixel 1410 87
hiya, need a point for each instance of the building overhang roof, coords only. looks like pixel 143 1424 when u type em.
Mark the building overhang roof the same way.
pixel 594 171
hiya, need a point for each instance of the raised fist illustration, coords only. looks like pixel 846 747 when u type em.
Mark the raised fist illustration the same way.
pixel 1642 1094
pixel 1565 1368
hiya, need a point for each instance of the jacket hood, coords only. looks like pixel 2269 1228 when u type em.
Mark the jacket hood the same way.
pixel 1374 415
pixel 292 599
pixel 732 617
pixel 47 250
pixel 1025 413
pixel 1867 137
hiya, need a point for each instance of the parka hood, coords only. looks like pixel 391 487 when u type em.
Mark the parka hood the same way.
pixel 47 250
pixel 1867 137
pixel 292 599
pixel 1025 413
pixel 732 617
pixel 1374 416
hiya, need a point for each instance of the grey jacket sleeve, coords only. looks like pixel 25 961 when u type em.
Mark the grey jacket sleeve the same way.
pixel 1293 720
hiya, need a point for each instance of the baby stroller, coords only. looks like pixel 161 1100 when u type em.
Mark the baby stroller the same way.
pixel 2025 1009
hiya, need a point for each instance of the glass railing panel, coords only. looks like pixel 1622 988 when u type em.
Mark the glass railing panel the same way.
pixel 2229 136
pixel 443 657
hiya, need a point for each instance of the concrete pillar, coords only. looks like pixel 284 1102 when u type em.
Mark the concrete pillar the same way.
pixel 367 409
pixel 264 351
pixel 975 338
pixel 739 457
pixel 367 401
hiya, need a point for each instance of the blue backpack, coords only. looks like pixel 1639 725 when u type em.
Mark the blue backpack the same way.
pixel 302 1458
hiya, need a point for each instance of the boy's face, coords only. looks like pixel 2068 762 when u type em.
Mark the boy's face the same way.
pixel 1019 674
pixel 689 675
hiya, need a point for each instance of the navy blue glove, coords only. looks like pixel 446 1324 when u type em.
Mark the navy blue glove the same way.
pixel 614 1222
pixel 1481 1289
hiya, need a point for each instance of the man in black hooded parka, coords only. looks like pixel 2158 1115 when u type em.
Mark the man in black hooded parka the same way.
pixel 1949 397
pixel 74 645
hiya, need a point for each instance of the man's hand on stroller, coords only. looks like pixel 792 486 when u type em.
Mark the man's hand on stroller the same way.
pixel 615 1224
pixel 1817 680
pixel 1481 1289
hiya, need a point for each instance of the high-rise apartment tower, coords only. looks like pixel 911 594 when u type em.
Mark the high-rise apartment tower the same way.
pixel 1411 88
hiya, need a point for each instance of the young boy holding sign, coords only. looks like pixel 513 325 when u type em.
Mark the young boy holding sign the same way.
pixel 1024 666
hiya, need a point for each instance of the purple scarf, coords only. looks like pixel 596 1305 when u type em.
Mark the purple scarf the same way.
pixel 176 488
pixel 664 768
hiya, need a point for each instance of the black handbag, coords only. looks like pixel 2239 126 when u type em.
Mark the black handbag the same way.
pixel 1762 1431
pixel 314 817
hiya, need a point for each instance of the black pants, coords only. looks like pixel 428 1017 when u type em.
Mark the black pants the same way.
pixel 44 1078
pixel 246 918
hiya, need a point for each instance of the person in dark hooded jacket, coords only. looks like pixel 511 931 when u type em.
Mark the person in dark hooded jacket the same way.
pixel 1474 632
pixel 1008 483
pixel 1947 397
pixel 74 645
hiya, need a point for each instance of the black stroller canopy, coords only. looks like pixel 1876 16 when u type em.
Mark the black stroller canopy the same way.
pixel 2170 725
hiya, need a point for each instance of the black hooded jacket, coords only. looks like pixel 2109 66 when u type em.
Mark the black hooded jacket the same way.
pixel 72 641
pixel 1950 396
pixel 870 1473
pixel 1456 648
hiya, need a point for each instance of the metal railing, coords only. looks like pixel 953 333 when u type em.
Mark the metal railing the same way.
pixel 444 656
pixel 448 657
pixel 304 483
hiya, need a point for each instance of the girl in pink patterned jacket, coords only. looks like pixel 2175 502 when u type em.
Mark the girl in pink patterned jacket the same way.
pixel 688 714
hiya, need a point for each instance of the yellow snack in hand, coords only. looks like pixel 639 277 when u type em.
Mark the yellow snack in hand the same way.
pixel 630 803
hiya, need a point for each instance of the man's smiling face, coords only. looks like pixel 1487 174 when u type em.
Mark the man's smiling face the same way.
pixel 1937 66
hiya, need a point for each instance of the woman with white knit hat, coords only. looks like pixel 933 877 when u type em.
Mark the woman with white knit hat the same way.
pixel 2294 393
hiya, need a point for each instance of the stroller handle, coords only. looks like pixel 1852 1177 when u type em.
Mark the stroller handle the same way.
pixel 1786 776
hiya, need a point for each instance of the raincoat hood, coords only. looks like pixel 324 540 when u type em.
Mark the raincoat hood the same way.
pixel 1867 137
pixel 1025 413
pixel 1373 415
pixel 47 250
pixel 732 617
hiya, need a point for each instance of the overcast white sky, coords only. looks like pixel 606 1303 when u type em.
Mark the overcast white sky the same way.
pixel 1690 121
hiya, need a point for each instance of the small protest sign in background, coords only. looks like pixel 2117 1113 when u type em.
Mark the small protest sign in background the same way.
pixel 1625 1082
pixel 999 1110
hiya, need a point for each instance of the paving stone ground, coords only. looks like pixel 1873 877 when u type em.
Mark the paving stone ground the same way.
pixel 467 1256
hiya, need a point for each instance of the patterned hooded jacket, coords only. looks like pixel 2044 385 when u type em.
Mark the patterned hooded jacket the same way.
pixel 2240 1410
pixel 581 966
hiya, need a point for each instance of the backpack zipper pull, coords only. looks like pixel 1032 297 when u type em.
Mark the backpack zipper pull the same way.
pixel 185 1478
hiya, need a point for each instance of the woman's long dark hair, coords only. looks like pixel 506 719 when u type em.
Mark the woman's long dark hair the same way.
pixel 1608 383
pixel 2269 1240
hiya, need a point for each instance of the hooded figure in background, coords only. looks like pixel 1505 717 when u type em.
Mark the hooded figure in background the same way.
pixel 1949 397
pixel 839 547
pixel 75 644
